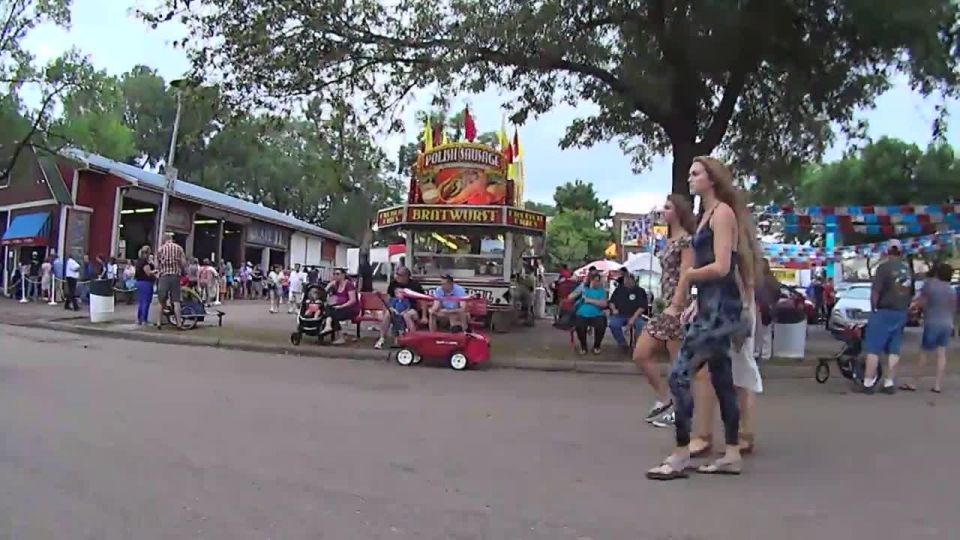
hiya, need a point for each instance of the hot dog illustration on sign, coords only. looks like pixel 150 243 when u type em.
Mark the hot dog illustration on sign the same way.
pixel 464 174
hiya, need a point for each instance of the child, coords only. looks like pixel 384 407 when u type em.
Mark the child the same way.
pixel 399 305
pixel 315 301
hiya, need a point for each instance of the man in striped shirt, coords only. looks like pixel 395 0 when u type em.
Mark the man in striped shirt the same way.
pixel 170 263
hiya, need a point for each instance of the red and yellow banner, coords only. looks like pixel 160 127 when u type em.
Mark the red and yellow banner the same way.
pixel 460 215
pixel 439 214
pixel 526 219
pixel 390 216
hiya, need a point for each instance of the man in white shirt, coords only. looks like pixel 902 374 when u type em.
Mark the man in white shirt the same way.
pixel 297 279
pixel 72 274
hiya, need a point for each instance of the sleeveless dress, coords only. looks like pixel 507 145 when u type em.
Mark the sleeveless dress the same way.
pixel 665 327
pixel 719 321
pixel 715 333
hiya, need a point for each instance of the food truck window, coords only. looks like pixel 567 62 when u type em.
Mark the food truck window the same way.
pixel 466 254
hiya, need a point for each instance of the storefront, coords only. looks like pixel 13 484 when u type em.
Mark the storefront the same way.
pixel 266 244
pixel 88 205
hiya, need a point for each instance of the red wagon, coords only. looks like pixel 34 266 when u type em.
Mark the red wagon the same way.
pixel 460 350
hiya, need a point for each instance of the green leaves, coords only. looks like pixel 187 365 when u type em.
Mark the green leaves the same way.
pixel 572 237
pixel 887 172
pixel 25 125
pixel 579 229
pixel 580 195
pixel 760 80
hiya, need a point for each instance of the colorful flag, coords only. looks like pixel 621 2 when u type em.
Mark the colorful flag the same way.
pixel 469 127
pixel 427 136
pixel 505 145
pixel 438 134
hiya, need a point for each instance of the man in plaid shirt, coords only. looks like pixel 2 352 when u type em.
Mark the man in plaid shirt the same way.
pixel 170 263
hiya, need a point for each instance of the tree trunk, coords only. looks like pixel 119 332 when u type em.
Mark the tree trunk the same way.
pixel 683 154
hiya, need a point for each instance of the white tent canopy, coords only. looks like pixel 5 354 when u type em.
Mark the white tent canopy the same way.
pixel 647 262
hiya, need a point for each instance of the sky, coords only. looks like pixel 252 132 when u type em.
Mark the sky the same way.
pixel 108 32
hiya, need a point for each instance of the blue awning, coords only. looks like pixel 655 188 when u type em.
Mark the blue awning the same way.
pixel 28 230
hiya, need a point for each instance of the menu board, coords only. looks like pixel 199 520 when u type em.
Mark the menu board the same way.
pixel 78 233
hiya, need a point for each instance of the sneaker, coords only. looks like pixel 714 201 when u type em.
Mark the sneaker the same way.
pixel 665 421
pixel 658 408
pixel 859 388
pixel 379 344
pixel 889 390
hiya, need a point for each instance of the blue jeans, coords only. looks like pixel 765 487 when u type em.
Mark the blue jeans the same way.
pixel 144 298
pixel 617 322
pixel 33 287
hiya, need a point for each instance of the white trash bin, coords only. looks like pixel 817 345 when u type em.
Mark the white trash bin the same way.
pixel 790 340
pixel 101 301
pixel 540 303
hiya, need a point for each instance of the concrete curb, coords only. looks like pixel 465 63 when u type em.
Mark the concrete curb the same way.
pixel 799 371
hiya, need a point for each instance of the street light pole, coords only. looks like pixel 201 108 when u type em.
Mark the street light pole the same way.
pixel 169 171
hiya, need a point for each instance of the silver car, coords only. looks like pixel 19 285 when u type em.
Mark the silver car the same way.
pixel 852 307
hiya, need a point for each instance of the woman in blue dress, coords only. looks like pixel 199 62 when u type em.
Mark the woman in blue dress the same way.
pixel 723 262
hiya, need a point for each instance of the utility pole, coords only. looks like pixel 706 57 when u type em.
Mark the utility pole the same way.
pixel 169 171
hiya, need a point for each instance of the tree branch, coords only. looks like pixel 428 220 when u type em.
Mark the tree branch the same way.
pixel 743 64
pixel 546 61
pixel 34 128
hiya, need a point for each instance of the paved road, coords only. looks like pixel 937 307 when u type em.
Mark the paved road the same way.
pixel 119 440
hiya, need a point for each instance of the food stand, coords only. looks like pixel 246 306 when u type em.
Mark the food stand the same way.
pixel 461 218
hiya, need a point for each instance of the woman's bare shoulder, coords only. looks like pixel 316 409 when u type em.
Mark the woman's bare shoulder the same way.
pixel 723 211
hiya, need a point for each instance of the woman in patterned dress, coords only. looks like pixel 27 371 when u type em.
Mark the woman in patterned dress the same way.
pixel 664 332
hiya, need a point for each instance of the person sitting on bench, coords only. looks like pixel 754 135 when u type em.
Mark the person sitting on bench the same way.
pixel 448 305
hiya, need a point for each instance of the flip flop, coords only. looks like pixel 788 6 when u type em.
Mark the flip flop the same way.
pixel 908 387
pixel 672 468
pixel 721 467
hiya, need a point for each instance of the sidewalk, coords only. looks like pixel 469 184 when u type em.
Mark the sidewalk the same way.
pixel 249 326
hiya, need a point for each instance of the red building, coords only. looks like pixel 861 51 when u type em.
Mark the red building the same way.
pixel 84 204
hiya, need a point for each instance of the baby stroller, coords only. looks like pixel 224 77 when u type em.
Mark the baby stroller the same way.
pixel 192 311
pixel 312 315
pixel 849 360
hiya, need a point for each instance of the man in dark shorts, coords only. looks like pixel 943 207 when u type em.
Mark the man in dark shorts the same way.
pixel 890 297
pixel 170 263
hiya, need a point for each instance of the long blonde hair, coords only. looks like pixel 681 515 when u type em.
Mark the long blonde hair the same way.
pixel 748 248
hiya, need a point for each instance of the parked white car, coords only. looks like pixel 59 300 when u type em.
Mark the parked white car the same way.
pixel 852 307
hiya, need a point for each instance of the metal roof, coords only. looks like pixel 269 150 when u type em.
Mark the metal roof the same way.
pixel 209 197
pixel 58 186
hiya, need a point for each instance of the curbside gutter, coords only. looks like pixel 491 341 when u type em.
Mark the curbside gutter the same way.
pixel 799 371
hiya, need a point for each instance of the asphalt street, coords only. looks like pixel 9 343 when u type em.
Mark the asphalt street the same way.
pixel 103 439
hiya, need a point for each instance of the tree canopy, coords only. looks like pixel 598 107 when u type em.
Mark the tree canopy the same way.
pixel 318 167
pixel 579 226
pixel 886 172
pixel 30 93
pixel 760 80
